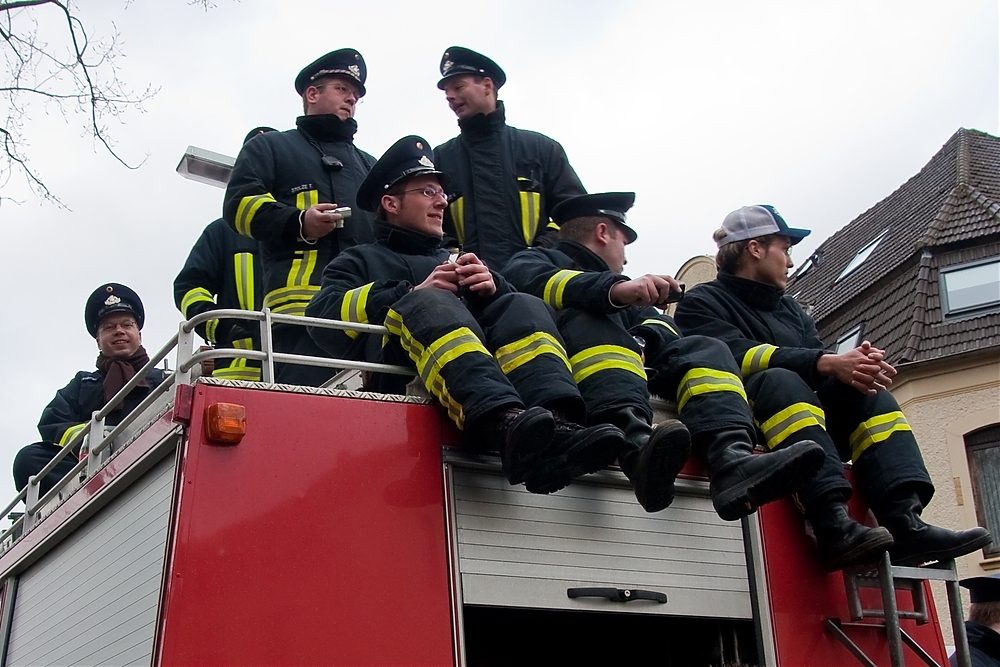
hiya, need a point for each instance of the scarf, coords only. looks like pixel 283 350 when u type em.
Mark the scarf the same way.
pixel 117 372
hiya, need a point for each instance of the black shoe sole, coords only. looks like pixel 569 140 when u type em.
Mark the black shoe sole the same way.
pixel 533 430
pixel 671 448
pixel 870 549
pixel 769 484
pixel 591 454
pixel 921 557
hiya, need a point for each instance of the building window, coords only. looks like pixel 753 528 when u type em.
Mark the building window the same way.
pixel 860 258
pixel 982 447
pixel 970 287
pixel 849 340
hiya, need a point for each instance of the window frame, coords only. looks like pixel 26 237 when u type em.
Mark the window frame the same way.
pixel 857 331
pixel 946 309
pixel 990 436
pixel 873 244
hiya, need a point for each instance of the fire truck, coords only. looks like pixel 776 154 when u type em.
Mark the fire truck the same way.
pixel 239 523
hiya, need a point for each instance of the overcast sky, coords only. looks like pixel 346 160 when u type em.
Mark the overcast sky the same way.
pixel 821 109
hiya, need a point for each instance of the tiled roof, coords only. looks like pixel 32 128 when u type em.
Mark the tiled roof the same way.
pixel 947 214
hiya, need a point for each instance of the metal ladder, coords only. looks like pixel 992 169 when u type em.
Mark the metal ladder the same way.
pixel 888 579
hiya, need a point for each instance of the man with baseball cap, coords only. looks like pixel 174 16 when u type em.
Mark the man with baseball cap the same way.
pixel 614 334
pixel 491 356
pixel 800 391
pixel 294 193
pixel 983 626
pixel 504 181
pixel 114 317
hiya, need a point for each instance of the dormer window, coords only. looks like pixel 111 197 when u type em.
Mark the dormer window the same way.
pixel 970 287
pixel 849 340
pixel 861 256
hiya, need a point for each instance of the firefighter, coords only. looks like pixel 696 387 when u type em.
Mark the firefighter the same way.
pixel 491 356
pixel 800 391
pixel 611 328
pixel 504 181
pixel 983 626
pixel 114 316
pixel 223 271
pixel 286 190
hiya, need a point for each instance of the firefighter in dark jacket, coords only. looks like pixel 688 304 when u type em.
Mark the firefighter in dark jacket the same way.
pixel 613 333
pixel 492 357
pixel 503 181
pixel 286 189
pixel 799 391
pixel 114 317
pixel 983 626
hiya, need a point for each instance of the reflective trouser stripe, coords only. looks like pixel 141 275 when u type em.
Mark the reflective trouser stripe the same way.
pixel 457 211
pixel 700 381
pixel 210 327
pixel 516 354
pixel 431 360
pixel 757 359
pixel 302 268
pixel 306 199
pixel 531 202
pixel 70 433
pixel 654 322
pixel 238 368
pixel 874 430
pixel 352 308
pixel 792 419
pixel 193 296
pixel 243 270
pixel 556 285
pixel 290 301
pixel 605 357
pixel 248 208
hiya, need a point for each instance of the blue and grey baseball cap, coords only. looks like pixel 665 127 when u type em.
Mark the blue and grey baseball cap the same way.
pixel 751 222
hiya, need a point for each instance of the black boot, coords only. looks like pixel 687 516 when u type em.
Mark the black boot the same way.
pixel 574 451
pixel 521 436
pixel 652 456
pixel 842 541
pixel 916 542
pixel 742 481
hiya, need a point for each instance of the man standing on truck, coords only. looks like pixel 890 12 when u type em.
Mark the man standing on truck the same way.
pixel 490 355
pixel 614 332
pixel 503 181
pixel 114 317
pixel 294 192
pixel 800 391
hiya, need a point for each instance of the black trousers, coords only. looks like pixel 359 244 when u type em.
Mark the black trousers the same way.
pixel 294 339
pixel 31 459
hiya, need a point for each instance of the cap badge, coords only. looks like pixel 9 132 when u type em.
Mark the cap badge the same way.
pixel 112 300
pixel 355 70
pixel 425 161
pixel 447 66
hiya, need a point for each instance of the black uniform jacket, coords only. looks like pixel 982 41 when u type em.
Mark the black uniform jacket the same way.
pixel 75 403
pixel 279 174
pixel 223 270
pixel 984 645
pixel 503 183
pixel 763 326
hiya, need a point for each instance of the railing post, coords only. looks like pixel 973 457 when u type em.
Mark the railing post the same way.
pixel 96 437
pixel 267 346
pixel 30 500
pixel 185 350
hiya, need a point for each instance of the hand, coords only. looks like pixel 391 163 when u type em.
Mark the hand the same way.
pixel 867 374
pixel 474 275
pixel 647 290
pixel 320 220
pixel 442 277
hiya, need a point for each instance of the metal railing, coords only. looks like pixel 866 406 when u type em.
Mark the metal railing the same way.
pixel 186 360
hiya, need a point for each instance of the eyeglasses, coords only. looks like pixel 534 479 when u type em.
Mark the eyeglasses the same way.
pixel 109 327
pixel 343 90
pixel 430 192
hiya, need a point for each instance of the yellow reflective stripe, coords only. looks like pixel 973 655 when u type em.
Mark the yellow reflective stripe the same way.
pixel 792 419
pixel 238 372
pixel 353 307
pixel 876 429
pixel 699 381
pixel 290 300
pixel 662 323
pixel 243 344
pixel 210 327
pixel 757 359
pixel 556 285
pixel 193 296
pixel 248 208
pixel 605 357
pixel 514 355
pixel 306 199
pixel 553 226
pixel 243 269
pixel 70 433
pixel 302 268
pixel 457 211
pixel 531 202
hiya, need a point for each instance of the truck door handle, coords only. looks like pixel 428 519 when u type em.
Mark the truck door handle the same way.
pixel 617 594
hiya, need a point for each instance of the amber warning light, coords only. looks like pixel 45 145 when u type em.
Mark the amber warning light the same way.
pixel 225 423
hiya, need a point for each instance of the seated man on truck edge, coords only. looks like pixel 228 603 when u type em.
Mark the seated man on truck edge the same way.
pixel 491 356
pixel 798 390
pixel 613 333
pixel 114 317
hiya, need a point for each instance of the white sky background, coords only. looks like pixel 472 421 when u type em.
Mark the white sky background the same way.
pixel 821 109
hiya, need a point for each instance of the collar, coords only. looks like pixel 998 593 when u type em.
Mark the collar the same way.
pixel 983 637
pixel 405 240
pixel 585 258
pixel 758 295
pixel 483 123
pixel 327 127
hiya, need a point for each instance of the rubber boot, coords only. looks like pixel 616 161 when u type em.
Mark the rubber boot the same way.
pixel 652 456
pixel 521 436
pixel 575 451
pixel 843 542
pixel 916 542
pixel 741 481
